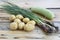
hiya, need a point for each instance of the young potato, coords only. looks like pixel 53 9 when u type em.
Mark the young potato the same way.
pixel 17 20
pixel 19 16
pixel 32 22
pixel 12 17
pixel 21 25
pixel 26 20
pixel 13 26
pixel 29 27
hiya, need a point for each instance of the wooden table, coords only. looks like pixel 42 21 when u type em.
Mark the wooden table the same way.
pixel 36 34
pixel 40 3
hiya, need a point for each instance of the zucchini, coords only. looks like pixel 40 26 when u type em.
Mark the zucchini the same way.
pixel 43 11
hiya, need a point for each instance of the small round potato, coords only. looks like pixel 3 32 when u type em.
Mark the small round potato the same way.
pixel 12 17
pixel 32 22
pixel 19 16
pixel 21 25
pixel 17 20
pixel 26 20
pixel 29 27
pixel 13 26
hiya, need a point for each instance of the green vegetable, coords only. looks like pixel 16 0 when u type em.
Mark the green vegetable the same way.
pixel 14 9
pixel 45 12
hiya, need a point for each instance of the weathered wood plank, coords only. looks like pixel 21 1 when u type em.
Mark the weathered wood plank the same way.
pixel 35 34
pixel 22 39
pixel 21 34
pixel 39 3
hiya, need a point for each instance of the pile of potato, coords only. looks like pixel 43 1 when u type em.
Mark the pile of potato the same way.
pixel 21 23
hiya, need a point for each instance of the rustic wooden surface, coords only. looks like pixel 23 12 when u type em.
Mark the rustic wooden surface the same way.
pixel 36 34
pixel 40 3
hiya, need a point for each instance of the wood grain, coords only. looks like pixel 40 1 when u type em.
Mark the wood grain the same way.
pixel 38 3
pixel 36 34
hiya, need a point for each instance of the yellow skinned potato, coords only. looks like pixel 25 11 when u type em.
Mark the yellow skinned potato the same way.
pixel 21 25
pixel 29 27
pixel 19 16
pixel 32 22
pixel 26 20
pixel 12 17
pixel 13 26
pixel 17 20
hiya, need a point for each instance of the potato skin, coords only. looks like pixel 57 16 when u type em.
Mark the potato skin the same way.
pixel 13 26
pixel 19 16
pixel 17 20
pixel 32 22
pixel 29 27
pixel 21 25
pixel 12 17
pixel 26 20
